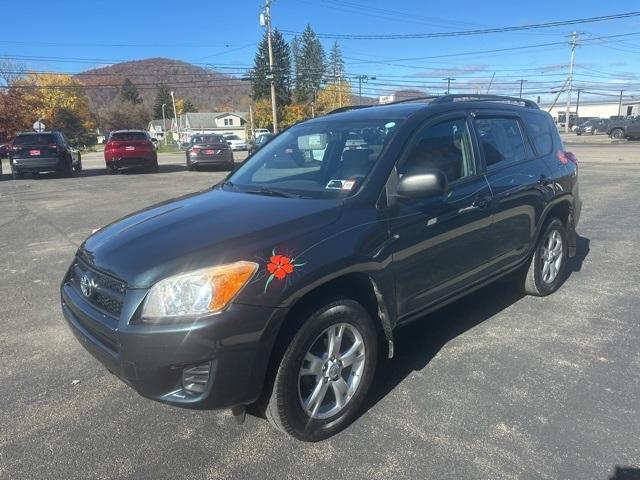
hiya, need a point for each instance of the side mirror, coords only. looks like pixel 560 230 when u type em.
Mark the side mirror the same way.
pixel 430 183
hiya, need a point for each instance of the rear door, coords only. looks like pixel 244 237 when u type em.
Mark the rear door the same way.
pixel 441 243
pixel 519 179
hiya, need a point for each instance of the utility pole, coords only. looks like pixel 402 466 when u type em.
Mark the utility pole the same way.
pixel 361 79
pixel 577 107
pixel 265 20
pixel 448 79
pixel 521 82
pixel 574 38
pixel 253 130
pixel 620 104
pixel 175 116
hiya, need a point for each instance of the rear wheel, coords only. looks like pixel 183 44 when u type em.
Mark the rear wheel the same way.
pixel 78 167
pixel 617 133
pixel 547 267
pixel 16 174
pixel 325 373
pixel 154 165
pixel 68 170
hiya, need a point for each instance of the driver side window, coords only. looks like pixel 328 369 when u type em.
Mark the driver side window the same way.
pixel 445 146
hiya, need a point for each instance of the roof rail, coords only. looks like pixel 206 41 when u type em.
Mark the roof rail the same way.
pixel 350 107
pixel 412 99
pixel 484 98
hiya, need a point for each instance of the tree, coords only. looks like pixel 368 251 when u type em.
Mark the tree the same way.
pixel 260 75
pixel 125 115
pixel 10 72
pixel 163 96
pixel 185 106
pixel 310 67
pixel 15 113
pixel 334 95
pixel 336 62
pixel 262 114
pixel 294 113
pixel 49 92
pixel 129 92
pixel 73 126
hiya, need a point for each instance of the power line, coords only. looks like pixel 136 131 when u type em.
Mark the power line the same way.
pixel 483 31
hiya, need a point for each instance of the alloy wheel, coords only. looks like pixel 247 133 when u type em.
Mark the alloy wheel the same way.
pixel 551 254
pixel 331 371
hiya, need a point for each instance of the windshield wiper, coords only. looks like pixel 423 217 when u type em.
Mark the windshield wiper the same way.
pixel 270 191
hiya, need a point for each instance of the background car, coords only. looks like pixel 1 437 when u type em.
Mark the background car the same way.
pixel 618 128
pixel 235 142
pixel 36 152
pixel 593 126
pixel 129 149
pixel 260 141
pixel 208 150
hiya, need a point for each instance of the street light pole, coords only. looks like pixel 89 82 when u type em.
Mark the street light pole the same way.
pixel 267 19
pixel 448 79
pixel 175 116
pixel 164 124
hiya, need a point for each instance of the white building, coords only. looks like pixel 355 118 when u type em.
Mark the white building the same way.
pixel 205 122
pixel 591 108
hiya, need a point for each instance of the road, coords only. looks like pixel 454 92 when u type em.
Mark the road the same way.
pixel 494 386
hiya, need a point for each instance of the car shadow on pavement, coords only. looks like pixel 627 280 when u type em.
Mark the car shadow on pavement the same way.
pixel 417 343
pixel 625 473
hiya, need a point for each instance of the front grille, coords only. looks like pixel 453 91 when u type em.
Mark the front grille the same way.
pixel 107 292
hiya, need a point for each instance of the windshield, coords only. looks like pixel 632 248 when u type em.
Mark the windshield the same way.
pixel 316 160
pixel 34 139
pixel 207 139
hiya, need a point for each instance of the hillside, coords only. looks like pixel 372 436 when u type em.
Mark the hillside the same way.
pixel 207 89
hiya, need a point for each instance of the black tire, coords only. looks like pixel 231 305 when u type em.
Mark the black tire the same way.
pixel 534 282
pixel 284 408
pixel 68 170
pixel 617 133
pixel 154 165
pixel 79 165
pixel 190 166
pixel 16 174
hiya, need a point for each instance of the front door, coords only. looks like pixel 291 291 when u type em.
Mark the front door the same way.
pixel 441 243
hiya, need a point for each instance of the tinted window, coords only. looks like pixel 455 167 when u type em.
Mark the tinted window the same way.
pixel 232 137
pixel 539 129
pixel 446 147
pixel 501 140
pixel 35 139
pixel 128 136
pixel 207 139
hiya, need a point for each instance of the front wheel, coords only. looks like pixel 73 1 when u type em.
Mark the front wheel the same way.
pixel 325 373
pixel 16 174
pixel 547 267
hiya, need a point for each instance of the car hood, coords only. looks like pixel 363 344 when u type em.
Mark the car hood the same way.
pixel 201 230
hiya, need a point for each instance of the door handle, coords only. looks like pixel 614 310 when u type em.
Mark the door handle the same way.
pixel 481 201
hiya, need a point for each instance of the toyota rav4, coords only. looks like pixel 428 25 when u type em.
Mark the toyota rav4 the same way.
pixel 282 286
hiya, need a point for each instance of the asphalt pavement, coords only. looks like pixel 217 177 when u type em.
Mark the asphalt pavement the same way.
pixel 494 386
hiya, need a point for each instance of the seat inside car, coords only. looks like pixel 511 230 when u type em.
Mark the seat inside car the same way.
pixel 355 163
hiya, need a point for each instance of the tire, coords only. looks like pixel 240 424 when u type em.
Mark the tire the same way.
pixel 190 167
pixel 16 174
pixel 617 133
pixel 79 165
pixel 68 170
pixel 540 279
pixel 325 417
pixel 154 165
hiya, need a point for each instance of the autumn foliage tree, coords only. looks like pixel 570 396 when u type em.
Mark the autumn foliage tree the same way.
pixel 15 113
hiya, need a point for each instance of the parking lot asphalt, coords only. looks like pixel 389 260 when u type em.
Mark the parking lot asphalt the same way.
pixel 496 385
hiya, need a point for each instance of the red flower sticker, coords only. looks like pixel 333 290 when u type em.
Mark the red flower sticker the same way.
pixel 280 266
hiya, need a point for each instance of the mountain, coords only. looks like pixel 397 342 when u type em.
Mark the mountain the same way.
pixel 207 89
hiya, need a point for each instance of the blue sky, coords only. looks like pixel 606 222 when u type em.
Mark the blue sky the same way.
pixel 77 35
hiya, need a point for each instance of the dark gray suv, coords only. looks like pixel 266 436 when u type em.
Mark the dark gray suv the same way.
pixel 282 286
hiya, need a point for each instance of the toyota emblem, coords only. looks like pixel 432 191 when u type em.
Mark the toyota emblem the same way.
pixel 87 285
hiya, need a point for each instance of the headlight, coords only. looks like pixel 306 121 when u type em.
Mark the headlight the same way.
pixel 196 293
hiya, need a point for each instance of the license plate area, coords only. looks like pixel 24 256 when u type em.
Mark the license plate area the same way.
pixel 209 152
pixel 34 153
pixel 129 148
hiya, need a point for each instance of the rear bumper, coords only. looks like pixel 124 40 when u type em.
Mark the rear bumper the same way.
pixel 36 164
pixel 151 358
pixel 131 162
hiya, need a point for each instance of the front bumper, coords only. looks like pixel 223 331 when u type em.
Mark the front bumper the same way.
pixel 36 164
pixel 221 159
pixel 150 358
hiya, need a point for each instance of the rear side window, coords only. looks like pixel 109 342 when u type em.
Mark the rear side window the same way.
pixel 35 139
pixel 128 136
pixel 501 140
pixel 539 129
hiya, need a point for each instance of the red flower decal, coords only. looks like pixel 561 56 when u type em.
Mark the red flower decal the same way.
pixel 280 266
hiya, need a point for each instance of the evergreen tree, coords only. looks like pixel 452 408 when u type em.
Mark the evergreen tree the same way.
pixel 189 106
pixel 260 75
pixel 295 61
pixel 336 63
pixel 163 96
pixel 311 66
pixel 129 92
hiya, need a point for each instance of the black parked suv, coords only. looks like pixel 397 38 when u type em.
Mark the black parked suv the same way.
pixel 281 286
pixel 46 151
